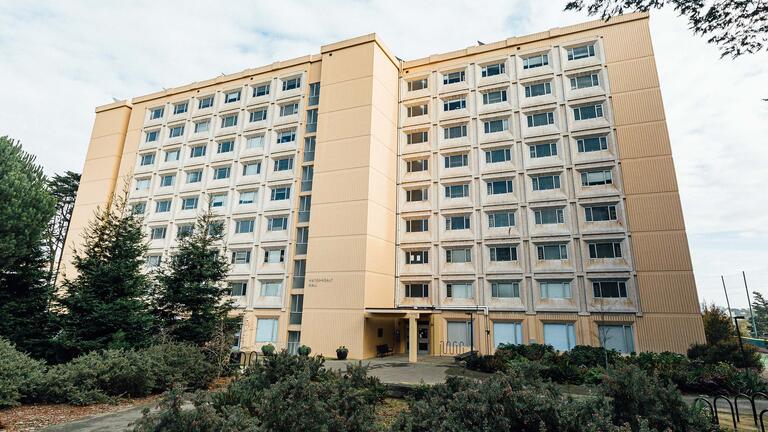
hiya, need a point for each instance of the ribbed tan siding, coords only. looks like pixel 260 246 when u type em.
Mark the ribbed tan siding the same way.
pixel 649 175
pixel 655 212
pixel 661 251
pixel 659 332
pixel 635 74
pixel 667 292
pixel 653 135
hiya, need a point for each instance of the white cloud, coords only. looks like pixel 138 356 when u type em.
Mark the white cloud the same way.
pixel 59 60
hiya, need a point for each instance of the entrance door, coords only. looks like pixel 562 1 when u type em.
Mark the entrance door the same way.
pixel 422 332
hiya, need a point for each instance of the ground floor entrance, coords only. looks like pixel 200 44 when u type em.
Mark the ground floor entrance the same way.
pixel 422 337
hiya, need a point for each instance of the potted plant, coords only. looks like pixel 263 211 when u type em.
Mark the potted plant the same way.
pixel 268 349
pixel 304 351
pixel 341 352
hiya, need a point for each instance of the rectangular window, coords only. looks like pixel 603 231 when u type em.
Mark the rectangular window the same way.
pixel 284 164
pixel 238 289
pixel 229 120
pixel 309 149
pixel 417 165
pixel 546 182
pixel 581 52
pixel 139 208
pixel 562 336
pixel 417 257
pixel 236 341
pixel 197 151
pixel 163 206
pixel 547 216
pixel 305 204
pixel 457 222
pixel 205 102
pixel 535 61
pixel 225 146
pixel 592 144
pixel 456 160
pixel 167 180
pixel 452 132
pixel 176 131
pixel 459 334
pixel 247 197
pixel 457 191
pixel 501 219
pixel 416 225
pixel 241 257
pixel 261 90
pixel 244 226
pixel 147 159
pixel 417 137
pixel 221 173
pixel 496 125
pixel 289 109
pixel 600 213
pixel 280 193
pixel 156 113
pixel 459 290
pixel 541 119
pixel 194 176
pixel 291 83
pixel 595 178
pixel 503 253
pixel 172 155
pixel 458 256
pixel 251 168
pixel 297 307
pixel 314 94
pixel 153 261
pixel 455 103
pixel 185 230
pixel 505 289
pixel 417 290
pixel 609 289
pixel 299 273
pixel 157 233
pixel 232 96
pixel 142 184
pixel 302 236
pixel 605 250
pixel 180 108
pixel 492 70
pixel 266 328
pixel 584 81
pixel 588 112
pixel 418 84
pixel 202 126
pixel 499 187
pixel 274 256
pixel 498 155
pixel 254 142
pixel 413 195
pixel 417 110
pixel 152 136
pixel 311 120
pixel 218 200
pixel 307 174
pixel 543 150
pixel 617 337
pixel 257 115
pixel 279 223
pixel 552 252
pixel 286 136
pixel 538 89
pixel 453 77
pixel 555 289
pixel 189 203
pixel 494 96
pixel 507 333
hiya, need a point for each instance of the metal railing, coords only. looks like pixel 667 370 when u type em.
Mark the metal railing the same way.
pixel 453 348
pixel 732 406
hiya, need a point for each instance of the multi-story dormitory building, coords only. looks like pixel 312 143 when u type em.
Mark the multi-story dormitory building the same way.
pixel 519 191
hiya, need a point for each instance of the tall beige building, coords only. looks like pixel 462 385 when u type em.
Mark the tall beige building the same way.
pixel 519 191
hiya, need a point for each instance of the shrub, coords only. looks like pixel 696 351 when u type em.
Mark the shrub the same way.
pixel 304 351
pixel 485 363
pixel 178 364
pixel 268 349
pixel 589 356
pixel 728 352
pixel 17 372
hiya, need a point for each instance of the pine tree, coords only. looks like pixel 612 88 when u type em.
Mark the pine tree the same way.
pixel 190 296
pixel 63 187
pixel 26 208
pixel 760 309
pixel 106 304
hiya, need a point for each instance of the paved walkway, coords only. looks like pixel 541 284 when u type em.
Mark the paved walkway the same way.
pixel 115 421
pixel 397 370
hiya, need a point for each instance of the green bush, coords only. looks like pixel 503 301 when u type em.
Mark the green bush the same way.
pixel 589 356
pixel 268 349
pixel 17 372
pixel 727 352
pixel 178 364
pixel 304 351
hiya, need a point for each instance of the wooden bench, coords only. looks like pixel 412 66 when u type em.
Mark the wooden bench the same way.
pixel 383 350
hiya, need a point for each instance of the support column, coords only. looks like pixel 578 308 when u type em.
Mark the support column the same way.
pixel 413 334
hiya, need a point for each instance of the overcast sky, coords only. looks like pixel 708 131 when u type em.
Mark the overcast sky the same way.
pixel 59 60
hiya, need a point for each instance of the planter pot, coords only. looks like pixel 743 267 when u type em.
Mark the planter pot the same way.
pixel 341 355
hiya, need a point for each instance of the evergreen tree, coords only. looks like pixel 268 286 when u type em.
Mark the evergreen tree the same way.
pixel 105 305
pixel 190 296
pixel 26 208
pixel 760 309
pixel 718 326
pixel 63 187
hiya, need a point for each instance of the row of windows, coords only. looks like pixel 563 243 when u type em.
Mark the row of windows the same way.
pixel 227 121
pixel 501 289
pixel 282 136
pixel 492 69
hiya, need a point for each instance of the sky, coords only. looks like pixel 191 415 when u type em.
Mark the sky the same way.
pixel 59 60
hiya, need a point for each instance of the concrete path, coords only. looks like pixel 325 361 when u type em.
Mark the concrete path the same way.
pixel 397 369
pixel 109 422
